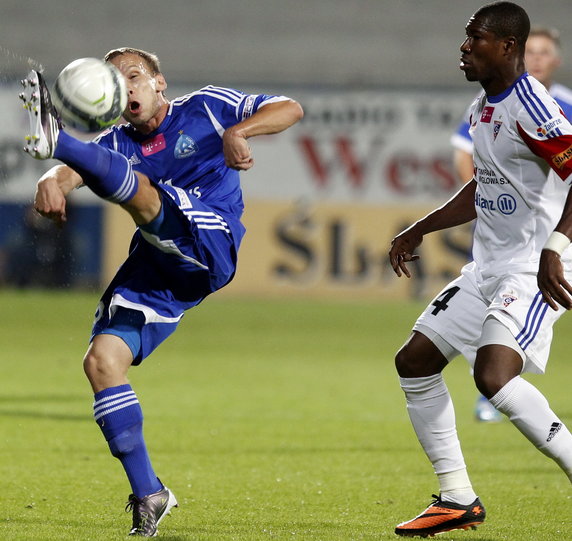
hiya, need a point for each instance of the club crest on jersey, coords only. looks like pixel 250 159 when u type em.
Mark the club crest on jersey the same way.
pixel 508 298
pixel 185 146
pixel 487 114
pixel 496 129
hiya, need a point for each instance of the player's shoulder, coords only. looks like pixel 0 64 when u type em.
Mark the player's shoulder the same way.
pixel 530 89
pixel 208 93
pixel 533 101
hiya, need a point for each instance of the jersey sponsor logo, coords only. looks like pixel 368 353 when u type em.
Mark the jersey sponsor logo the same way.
pixel 487 114
pixel 505 203
pixel 488 176
pixel 185 147
pixel 154 145
pixel 561 159
pixel 496 129
pixel 547 127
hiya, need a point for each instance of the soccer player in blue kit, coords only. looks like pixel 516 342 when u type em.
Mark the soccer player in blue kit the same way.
pixel 174 167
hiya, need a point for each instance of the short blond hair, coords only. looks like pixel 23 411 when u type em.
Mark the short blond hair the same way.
pixel 151 59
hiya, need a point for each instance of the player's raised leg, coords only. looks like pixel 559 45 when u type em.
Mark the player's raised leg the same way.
pixel 107 173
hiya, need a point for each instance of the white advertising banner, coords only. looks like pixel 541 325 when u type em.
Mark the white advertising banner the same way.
pixel 375 148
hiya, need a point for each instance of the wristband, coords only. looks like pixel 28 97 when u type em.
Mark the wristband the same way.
pixel 557 242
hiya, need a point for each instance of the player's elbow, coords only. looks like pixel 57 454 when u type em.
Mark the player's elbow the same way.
pixel 296 111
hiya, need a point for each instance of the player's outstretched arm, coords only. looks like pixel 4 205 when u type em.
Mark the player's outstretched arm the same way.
pixel 271 118
pixel 458 210
pixel 51 192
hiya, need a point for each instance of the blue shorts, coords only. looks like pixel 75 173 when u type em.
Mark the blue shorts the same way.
pixel 171 267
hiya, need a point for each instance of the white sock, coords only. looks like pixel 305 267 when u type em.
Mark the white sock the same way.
pixel 432 414
pixel 529 411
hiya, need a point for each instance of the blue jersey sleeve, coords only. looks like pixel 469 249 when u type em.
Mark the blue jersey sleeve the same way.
pixel 231 106
pixel 462 139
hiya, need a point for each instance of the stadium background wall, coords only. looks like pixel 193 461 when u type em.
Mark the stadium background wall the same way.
pixel 380 84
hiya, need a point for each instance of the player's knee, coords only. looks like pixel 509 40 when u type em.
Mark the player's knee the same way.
pixel 403 361
pixel 419 357
pixel 487 382
pixel 100 367
pixel 495 366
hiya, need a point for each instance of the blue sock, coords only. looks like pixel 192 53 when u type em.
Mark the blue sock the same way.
pixel 107 173
pixel 118 413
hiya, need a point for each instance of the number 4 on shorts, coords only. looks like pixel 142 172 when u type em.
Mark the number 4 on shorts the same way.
pixel 441 301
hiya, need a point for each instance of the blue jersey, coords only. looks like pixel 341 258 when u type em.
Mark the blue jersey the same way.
pixel 173 266
pixel 461 139
pixel 186 150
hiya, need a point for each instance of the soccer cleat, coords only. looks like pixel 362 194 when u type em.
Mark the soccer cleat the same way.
pixel 442 517
pixel 45 124
pixel 485 412
pixel 149 511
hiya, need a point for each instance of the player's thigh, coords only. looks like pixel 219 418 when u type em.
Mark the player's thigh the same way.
pixel 453 320
pixel 145 205
pixel 517 303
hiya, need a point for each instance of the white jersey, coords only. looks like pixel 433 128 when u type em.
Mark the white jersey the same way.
pixel 523 162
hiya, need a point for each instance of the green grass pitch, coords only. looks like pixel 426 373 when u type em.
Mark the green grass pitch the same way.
pixel 269 419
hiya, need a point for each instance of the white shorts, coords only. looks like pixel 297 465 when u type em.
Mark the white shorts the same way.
pixel 458 312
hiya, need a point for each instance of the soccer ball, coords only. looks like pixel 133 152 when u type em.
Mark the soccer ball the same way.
pixel 90 94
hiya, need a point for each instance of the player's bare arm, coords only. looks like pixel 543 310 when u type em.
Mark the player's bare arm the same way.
pixel 269 119
pixel 551 281
pixel 458 210
pixel 52 190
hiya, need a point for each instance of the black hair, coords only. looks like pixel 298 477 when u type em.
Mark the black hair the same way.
pixel 506 19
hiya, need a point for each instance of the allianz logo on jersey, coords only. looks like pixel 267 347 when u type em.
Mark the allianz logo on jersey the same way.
pixel 505 203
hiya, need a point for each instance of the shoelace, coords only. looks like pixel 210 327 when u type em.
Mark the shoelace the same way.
pixel 437 499
pixel 131 503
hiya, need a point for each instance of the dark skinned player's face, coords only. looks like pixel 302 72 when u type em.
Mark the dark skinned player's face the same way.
pixel 482 52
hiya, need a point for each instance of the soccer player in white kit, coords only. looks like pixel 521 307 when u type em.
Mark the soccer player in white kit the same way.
pixel 499 313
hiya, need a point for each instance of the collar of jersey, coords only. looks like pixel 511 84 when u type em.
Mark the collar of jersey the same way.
pixel 499 97
pixel 140 136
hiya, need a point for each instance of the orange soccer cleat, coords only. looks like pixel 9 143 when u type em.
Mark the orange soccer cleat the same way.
pixel 441 517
